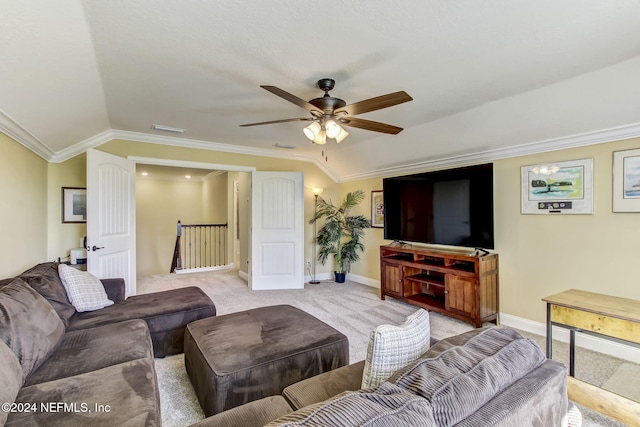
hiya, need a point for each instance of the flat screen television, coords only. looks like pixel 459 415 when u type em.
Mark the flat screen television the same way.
pixel 448 207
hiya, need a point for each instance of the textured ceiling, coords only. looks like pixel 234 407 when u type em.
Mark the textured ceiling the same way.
pixel 484 76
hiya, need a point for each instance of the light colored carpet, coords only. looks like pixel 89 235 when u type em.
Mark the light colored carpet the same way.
pixel 352 308
pixel 625 381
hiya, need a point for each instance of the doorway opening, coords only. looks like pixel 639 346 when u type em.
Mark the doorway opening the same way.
pixel 201 203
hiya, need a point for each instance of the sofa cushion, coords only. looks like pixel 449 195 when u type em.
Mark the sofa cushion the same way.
pixel 10 378
pixel 540 398
pixel 91 349
pixel 392 347
pixel 388 405
pixel 167 313
pixel 324 386
pixel 461 379
pixel 85 291
pixel 45 280
pixel 29 325
pixel 119 395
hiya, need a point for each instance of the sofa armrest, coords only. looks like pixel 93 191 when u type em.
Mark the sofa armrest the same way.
pixel 324 386
pixel 115 289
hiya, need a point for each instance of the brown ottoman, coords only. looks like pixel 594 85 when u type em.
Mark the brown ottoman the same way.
pixel 240 357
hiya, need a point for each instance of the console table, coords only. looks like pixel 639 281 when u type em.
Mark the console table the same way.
pixel 606 316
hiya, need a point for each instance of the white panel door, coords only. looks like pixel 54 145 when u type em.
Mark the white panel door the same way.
pixel 111 218
pixel 277 231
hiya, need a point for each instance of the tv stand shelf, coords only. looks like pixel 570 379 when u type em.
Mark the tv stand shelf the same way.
pixel 457 284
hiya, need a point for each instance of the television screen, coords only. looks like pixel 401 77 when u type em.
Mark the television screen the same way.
pixel 448 207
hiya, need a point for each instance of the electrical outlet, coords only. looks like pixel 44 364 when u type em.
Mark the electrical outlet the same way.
pixel 308 262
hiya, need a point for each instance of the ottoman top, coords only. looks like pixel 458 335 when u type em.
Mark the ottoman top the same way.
pixel 233 342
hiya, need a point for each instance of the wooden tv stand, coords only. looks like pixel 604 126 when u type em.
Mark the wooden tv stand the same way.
pixel 456 284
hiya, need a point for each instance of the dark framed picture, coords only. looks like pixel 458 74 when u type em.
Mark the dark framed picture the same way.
pixel 377 209
pixel 74 205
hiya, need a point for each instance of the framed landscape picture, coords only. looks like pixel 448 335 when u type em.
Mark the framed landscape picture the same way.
pixel 626 181
pixel 74 204
pixel 558 188
pixel 377 209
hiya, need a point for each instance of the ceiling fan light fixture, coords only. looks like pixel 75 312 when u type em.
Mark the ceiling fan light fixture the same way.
pixel 333 129
pixel 341 136
pixel 312 131
pixel 321 139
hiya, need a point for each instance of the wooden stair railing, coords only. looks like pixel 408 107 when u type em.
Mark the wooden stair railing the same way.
pixel 200 246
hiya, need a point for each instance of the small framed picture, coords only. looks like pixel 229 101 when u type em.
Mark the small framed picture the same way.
pixel 626 181
pixel 377 209
pixel 74 205
pixel 558 188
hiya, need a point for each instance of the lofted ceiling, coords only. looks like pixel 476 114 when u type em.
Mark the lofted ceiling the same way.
pixel 489 78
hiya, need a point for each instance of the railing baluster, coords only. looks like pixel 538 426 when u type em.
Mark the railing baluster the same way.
pixel 202 245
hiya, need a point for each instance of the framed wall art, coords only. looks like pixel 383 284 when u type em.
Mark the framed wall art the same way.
pixel 377 209
pixel 74 204
pixel 558 188
pixel 626 181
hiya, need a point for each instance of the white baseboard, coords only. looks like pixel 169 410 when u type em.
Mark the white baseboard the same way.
pixel 244 276
pixel 353 277
pixel 601 345
pixel 364 280
pixel 319 277
pixel 203 269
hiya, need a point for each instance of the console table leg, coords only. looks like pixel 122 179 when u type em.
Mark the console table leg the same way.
pixel 549 338
pixel 572 352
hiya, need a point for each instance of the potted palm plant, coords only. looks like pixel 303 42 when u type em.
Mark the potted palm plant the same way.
pixel 341 233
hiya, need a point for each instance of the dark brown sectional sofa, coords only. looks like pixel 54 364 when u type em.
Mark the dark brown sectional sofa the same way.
pixel 61 367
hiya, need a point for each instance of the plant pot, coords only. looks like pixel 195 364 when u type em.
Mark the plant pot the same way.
pixel 340 277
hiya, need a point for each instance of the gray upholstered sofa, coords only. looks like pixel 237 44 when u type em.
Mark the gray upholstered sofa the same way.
pixel 486 377
pixel 61 367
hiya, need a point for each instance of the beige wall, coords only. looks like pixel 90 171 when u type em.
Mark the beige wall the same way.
pixel 214 197
pixel 23 208
pixel 544 254
pixel 159 206
pixel 64 237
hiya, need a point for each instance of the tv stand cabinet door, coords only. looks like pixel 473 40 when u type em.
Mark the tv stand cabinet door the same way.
pixel 391 279
pixel 461 297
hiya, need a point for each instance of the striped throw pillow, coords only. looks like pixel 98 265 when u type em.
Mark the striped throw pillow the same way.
pixel 85 291
pixel 393 347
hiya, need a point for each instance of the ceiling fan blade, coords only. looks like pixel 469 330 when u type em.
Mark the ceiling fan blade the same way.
pixel 308 119
pixel 370 125
pixel 377 103
pixel 294 99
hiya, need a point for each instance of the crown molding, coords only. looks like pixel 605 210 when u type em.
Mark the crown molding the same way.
pixel 562 143
pixel 13 130
pixel 112 134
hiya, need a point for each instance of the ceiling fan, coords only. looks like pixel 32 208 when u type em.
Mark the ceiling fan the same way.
pixel 328 113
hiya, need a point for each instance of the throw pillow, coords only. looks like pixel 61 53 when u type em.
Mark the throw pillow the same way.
pixel 85 291
pixel 29 325
pixel 392 347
